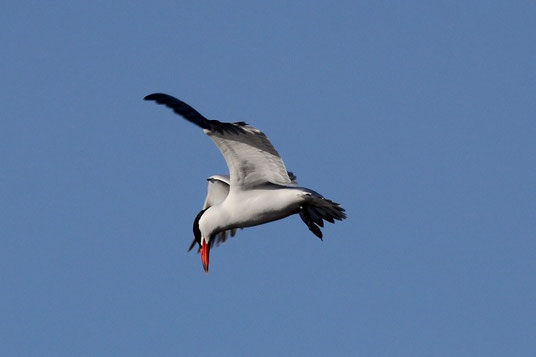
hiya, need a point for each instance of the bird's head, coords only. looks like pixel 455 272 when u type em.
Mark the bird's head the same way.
pixel 202 240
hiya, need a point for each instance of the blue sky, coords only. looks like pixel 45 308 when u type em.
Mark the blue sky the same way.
pixel 418 117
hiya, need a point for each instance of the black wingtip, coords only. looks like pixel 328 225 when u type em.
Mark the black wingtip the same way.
pixel 192 245
pixel 154 96
pixel 192 115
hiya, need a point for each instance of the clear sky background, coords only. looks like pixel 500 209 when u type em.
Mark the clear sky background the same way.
pixel 418 117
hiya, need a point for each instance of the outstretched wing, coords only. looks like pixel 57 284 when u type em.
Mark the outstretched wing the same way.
pixel 251 158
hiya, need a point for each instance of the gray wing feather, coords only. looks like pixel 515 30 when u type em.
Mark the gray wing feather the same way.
pixel 251 158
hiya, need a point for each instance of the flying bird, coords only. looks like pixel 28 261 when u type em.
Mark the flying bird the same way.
pixel 258 189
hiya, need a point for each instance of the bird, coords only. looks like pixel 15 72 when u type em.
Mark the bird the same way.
pixel 258 189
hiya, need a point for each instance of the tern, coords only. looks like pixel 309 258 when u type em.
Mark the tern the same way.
pixel 258 189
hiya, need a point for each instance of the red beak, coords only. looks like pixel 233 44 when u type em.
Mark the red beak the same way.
pixel 205 250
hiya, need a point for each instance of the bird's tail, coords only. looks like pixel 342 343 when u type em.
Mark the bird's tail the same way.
pixel 317 209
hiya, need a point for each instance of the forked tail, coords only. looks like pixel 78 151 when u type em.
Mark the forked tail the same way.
pixel 317 209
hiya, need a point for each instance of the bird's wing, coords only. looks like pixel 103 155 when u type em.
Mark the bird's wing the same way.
pixel 251 158
pixel 217 190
